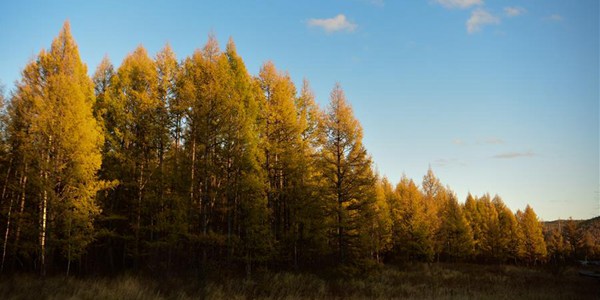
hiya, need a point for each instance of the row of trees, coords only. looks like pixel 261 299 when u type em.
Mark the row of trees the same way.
pixel 430 224
pixel 569 240
pixel 163 164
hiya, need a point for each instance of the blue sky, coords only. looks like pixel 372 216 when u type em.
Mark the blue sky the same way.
pixel 496 96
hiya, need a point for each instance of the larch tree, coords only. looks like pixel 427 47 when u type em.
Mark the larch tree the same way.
pixel 6 167
pixel 510 239
pixel 306 237
pixel 455 233
pixel 168 209
pixel 588 245
pixel 102 80
pixel 475 221
pixel 58 144
pixel 220 105
pixel 161 164
pixel 310 118
pixel 113 220
pixel 556 245
pixel 283 152
pixel 413 232
pixel 491 244
pixel 209 142
pixel 247 214
pixel 378 231
pixel 348 176
pixel 533 237
pixel 395 213
pixel 483 218
pixel 570 235
pixel 431 185
pixel 133 113
pixel 435 198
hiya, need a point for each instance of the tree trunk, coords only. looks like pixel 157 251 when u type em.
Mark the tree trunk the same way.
pixel 339 198
pixel 177 138
pixel 193 170
pixel 44 212
pixel 44 215
pixel 8 217
pixel 248 265
pixel 23 184
pixel 139 216
pixel 340 231
pixel 6 234
pixel 296 233
pixel 69 246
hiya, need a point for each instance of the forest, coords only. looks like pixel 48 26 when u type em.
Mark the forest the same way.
pixel 175 166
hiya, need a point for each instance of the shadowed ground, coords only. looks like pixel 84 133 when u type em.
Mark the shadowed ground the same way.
pixel 418 281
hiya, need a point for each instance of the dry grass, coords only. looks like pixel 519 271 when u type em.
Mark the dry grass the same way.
pixel 415 281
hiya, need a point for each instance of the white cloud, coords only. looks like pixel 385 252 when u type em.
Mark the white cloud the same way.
pixel 494 141
pixel 459 142
pixel 459 3
pixel 511 155
pixel 479 18
pixel 489 141
pixel 337 23
pixel 555 17
pixel 513 11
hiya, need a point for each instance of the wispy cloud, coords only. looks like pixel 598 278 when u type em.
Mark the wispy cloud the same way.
pixel 337 23
pixel 494 141
pixel 462 4
pixel 511 155
pixel 459 142
pixel 514 11
pixel 479 18
pixel 555 18
pixel 444 162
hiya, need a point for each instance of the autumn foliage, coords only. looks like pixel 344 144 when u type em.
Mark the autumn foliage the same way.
pixel 162 164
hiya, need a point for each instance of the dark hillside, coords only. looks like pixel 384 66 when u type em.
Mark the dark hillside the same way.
pixel 573 239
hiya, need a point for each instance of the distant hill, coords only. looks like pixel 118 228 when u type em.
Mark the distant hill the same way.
pixel 592 226
pixel 582 235
pixel 593 223
pixel 551 225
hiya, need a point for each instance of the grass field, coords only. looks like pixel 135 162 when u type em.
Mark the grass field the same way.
pixel 415 281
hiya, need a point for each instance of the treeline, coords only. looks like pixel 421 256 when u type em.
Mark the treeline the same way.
pixel 164 164
pixel 570 240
